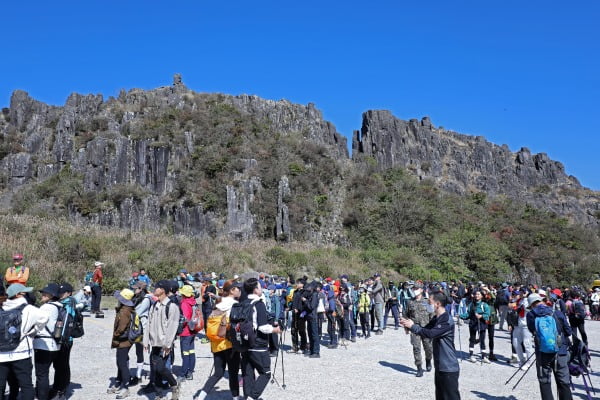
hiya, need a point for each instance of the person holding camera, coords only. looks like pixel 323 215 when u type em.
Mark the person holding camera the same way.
pixel 299 319
pixel 441 331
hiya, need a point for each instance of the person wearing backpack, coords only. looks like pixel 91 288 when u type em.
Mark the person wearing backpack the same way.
pixel 16 353
pixel 257 359
pixel 364 303
pixel 501 304
pixel 310 306
pixel 477 313
pixel 142 301
pixel 551 331
pixel 97 281
pixel 298 320
pixel 121 342
pixel 392 305
pixel 223 353
pixel 186 338
pixel 577 316
pixel 160 336
pixel 45 346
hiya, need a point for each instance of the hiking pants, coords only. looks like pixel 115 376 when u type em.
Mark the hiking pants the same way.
pixel 159 364
pixel 331 323
pixel 475 333
pixel 22 371
pixel 43 360
pixel 379 315
pixel 260 361
pixel 299 329
pixel 415 341
pixel 96 297
pixel 321 317
pixel 581 327
pixel 224 358
pixel 558 364
pixel 522 338
pixel 502 310
pixel 364 324
pixel 188 354
pixel 313 330
pixel 345 325
pixel 446 385
pixel 63 364
pixel 123 375
pixel 490 331
pixel 394 309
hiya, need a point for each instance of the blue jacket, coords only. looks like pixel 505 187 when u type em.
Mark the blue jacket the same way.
pixel 563 326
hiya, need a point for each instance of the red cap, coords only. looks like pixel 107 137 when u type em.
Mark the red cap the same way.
pixel 328 279
pixel 135 274
pixel 17 256
pixel 557 292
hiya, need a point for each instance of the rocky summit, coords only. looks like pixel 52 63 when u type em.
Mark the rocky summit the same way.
pixel 174 160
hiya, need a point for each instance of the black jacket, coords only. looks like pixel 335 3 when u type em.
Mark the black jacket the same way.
pixel 441 330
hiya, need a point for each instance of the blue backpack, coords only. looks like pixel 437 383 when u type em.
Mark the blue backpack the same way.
pixel 547 334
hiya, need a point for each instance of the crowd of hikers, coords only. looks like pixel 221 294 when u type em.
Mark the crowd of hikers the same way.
pixel 243 319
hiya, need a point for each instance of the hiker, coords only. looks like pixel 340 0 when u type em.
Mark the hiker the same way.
pixel 420 311
pixel 501 304
pixel 364 303
pixel 377 294
pixel 552 353
pixel 84 299
pixel 19 273
pixel 121 342
pixel 351 296
pixel 97 279
pixel 477 313
pixel 45 347
pixel 490 298
pixel 310 306
pixel 135 277
pixel 576 312
pixel 142 302
pixel 63 362
pixel 143 277
pixel 331 317
pixel 223 353
pixel 392 305
pixel 16 353
pixel 298 319
pixel 186 338
pixel 163 320
pixel 441 330
pixel 257 357
pixel 521 335
pixel 406 295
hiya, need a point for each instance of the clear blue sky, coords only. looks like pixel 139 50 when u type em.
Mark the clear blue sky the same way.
pixel 524 73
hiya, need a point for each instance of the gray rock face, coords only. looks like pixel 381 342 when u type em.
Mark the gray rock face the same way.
pixel 467 164
pixel 283 229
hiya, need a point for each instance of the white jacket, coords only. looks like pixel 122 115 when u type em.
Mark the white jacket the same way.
pixel 33 322
pixel 44 340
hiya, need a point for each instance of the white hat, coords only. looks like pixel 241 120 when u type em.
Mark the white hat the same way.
pixel 87 289
pixel 542 293
pixel 98 264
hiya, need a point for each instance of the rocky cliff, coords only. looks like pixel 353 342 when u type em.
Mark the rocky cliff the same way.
pixel 470 164
pixel 202 164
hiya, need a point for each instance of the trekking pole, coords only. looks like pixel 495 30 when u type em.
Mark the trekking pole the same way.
pixel 518 369
pixel 283 386
pixel 519 381
pixel 460 343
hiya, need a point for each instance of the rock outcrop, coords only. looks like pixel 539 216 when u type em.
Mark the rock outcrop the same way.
pixel 467 164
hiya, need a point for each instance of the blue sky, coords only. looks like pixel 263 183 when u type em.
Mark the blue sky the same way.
pixel 520 73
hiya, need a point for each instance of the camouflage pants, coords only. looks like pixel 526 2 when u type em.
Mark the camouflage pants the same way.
pixel 416 340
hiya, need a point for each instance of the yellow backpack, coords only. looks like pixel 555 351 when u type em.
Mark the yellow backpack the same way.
pixel 216 328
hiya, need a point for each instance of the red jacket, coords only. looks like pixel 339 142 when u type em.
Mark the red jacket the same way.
pixel 97 278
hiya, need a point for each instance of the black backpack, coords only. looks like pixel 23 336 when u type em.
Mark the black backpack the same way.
pixel 241 331
pixel 10 328
pixel 182 320
pixel 64 325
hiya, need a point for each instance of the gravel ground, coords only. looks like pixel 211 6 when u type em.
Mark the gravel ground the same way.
pixel 380 367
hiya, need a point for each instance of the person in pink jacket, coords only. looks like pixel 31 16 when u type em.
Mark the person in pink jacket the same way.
pixel 186 339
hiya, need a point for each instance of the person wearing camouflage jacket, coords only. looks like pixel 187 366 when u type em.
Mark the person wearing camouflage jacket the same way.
pixel 419 310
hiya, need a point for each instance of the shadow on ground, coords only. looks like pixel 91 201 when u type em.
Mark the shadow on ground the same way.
pixel 481 395
pixel 399 367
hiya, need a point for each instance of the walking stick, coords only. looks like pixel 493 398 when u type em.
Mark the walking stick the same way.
pixel 518 369
pixel 460 343
pixel 519 381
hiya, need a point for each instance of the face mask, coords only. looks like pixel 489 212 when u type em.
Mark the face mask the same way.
pixel 430 308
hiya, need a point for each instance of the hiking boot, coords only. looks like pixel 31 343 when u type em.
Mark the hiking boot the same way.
pixel 315 355
pixel 123 393
pixel 419 372
pixel 112 389
pixel 306 352
pixel 472 359
pixel 294 349
pixel 134 381
pixel 484 360
pixel 493 357
pixel 189 376
pixel 428 365
pixel 513 360
pixel 353 340
pixel 175 392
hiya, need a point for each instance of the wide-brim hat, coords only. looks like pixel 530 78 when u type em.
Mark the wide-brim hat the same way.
pixel 186 291
pixel 124 296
